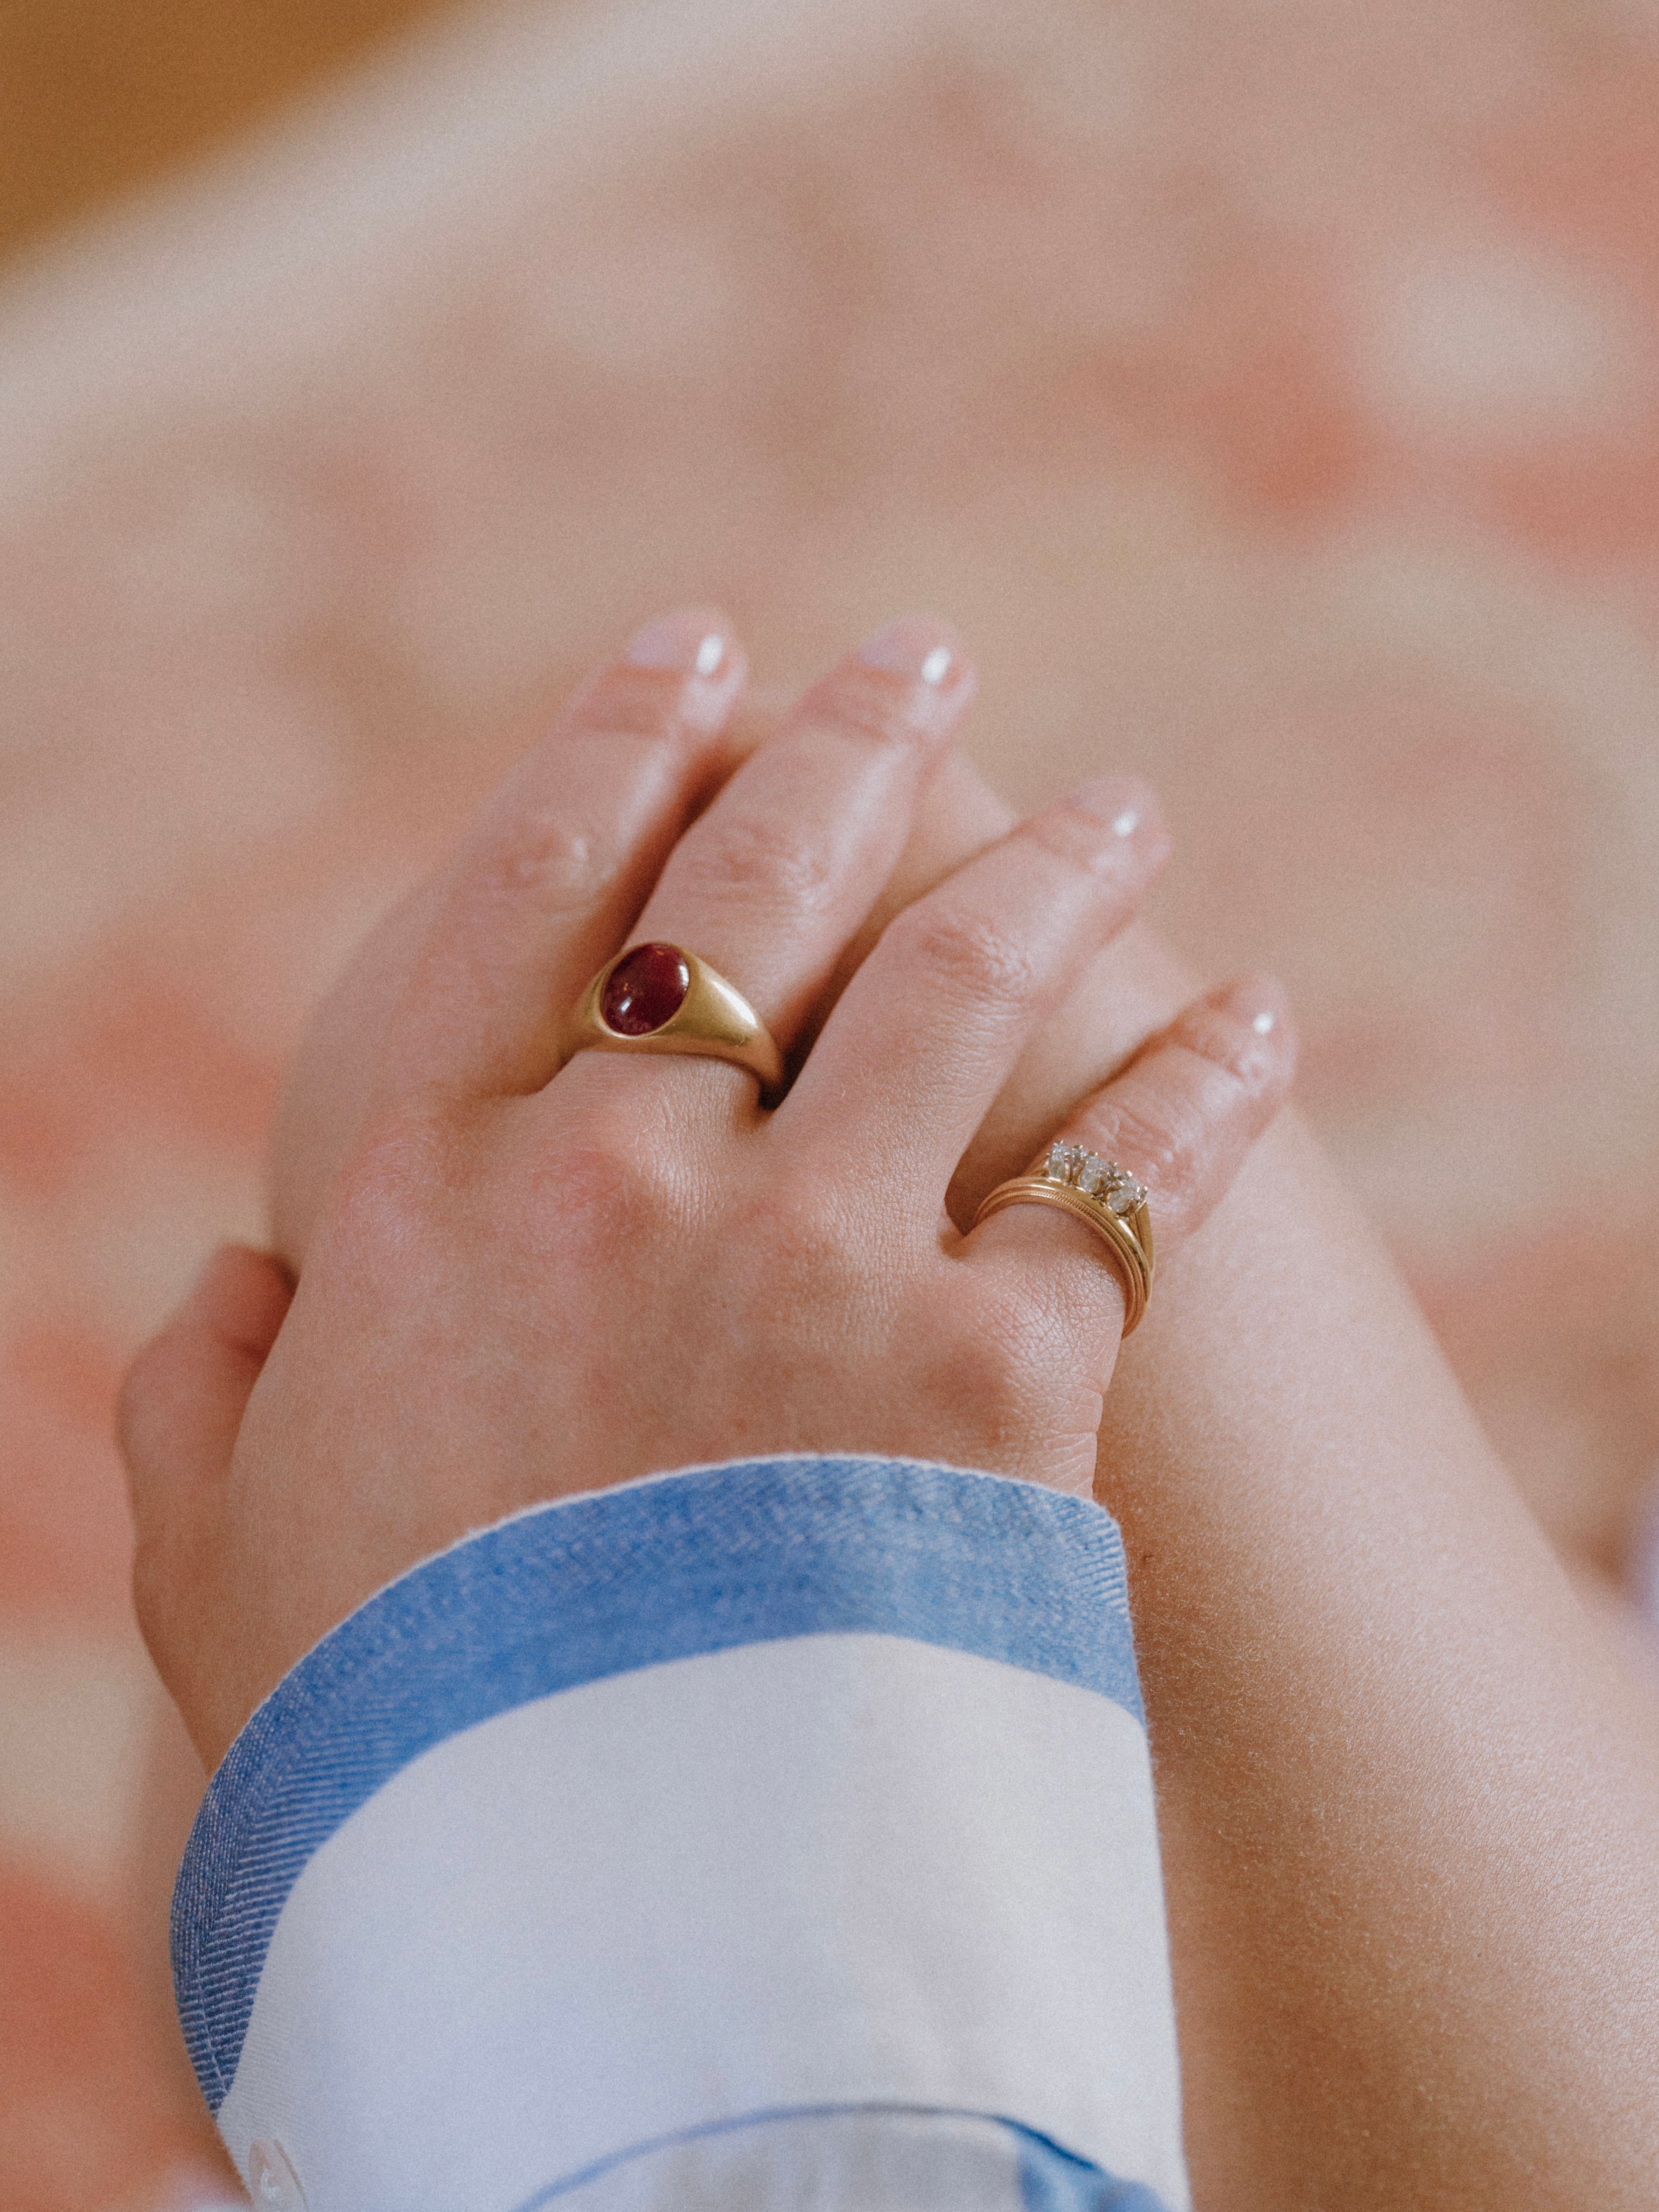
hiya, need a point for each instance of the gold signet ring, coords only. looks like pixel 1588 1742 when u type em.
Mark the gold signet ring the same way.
pixel 1103 1194
pixel 660 998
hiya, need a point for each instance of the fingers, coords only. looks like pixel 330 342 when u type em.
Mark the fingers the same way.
pixel 180 1411
pixel 1132 986
pixel 927 1032
pixel 959 815
pixel 770 883
pixel 1181 1118
pixel 183 1397
pixel 548 884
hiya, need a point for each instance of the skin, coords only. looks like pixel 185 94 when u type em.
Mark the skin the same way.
pixel 1407 1795
pixel 1408 1783
pixel 522 1279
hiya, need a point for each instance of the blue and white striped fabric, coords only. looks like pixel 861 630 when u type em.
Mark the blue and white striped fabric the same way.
pixel 776 1835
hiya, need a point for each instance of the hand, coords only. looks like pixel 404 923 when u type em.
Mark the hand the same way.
pixel 528 1280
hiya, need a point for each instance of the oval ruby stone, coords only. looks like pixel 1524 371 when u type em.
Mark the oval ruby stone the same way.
pixel 645 989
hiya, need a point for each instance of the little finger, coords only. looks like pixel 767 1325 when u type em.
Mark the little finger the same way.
pixel 1180 1119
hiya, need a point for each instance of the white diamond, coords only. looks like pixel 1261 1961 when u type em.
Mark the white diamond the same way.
pixel 1126 1198
pixel 1094 1175
pixel 1064 1161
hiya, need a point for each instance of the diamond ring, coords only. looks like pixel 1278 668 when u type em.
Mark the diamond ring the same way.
pixel 1098 1191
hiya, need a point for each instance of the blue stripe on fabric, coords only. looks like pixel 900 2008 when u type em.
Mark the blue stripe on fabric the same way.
pixel 1050 2180
pixel 590 1587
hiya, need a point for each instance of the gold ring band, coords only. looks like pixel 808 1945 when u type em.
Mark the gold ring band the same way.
pixel 660 998
pixel 1101 1194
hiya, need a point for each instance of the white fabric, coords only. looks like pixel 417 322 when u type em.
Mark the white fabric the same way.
pixel 836 1870
pixel 865 2162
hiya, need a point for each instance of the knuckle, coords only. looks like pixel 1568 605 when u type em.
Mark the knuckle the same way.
pixel 547 861
pixel 967 954
pixel 857 703
pixel 381 1202
pixel 1227 1043
pixel 764 859
pixel 602 1187
pixel 629 700
pixel 1004 1364
pixel 604 1174
pixel 1078 839
pixel 1159 1143
pixel 1014 1347
pixel 1208 1082
pixel 802 1256
pixel 788 1228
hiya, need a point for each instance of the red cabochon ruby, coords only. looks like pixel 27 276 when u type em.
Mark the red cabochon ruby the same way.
pixel 645 989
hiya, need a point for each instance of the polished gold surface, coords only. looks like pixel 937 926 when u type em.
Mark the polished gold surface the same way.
pixel 1128 1238
pixel 714 1021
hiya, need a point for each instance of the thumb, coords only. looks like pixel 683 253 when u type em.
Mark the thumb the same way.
pixel 183 1397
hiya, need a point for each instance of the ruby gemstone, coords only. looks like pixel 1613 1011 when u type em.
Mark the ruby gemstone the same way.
pixel 645 989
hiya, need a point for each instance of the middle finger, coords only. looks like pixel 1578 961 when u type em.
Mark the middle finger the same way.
pixel 770 883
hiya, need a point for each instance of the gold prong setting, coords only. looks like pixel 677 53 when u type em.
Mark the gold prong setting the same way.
pixel 1075 1168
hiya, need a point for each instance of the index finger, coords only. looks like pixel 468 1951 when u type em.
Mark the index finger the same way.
pixel 458 987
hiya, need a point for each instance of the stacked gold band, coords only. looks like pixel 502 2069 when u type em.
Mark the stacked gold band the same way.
pixel 1097 1192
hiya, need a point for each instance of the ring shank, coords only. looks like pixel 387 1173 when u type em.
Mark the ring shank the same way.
pixel 714 1021
pixel 1133 1262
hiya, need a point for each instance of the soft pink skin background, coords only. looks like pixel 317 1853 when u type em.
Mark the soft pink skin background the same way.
pixel 1271 396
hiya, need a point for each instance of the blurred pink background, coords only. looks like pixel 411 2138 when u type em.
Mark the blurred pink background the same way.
pixel 1271 396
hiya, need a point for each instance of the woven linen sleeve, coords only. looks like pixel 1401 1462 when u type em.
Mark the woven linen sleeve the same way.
pixel 773 1835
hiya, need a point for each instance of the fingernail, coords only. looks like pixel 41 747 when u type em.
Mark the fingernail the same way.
pixel 679 644
pixel 1129 806
pixel 915 647
pixel 1260 1000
